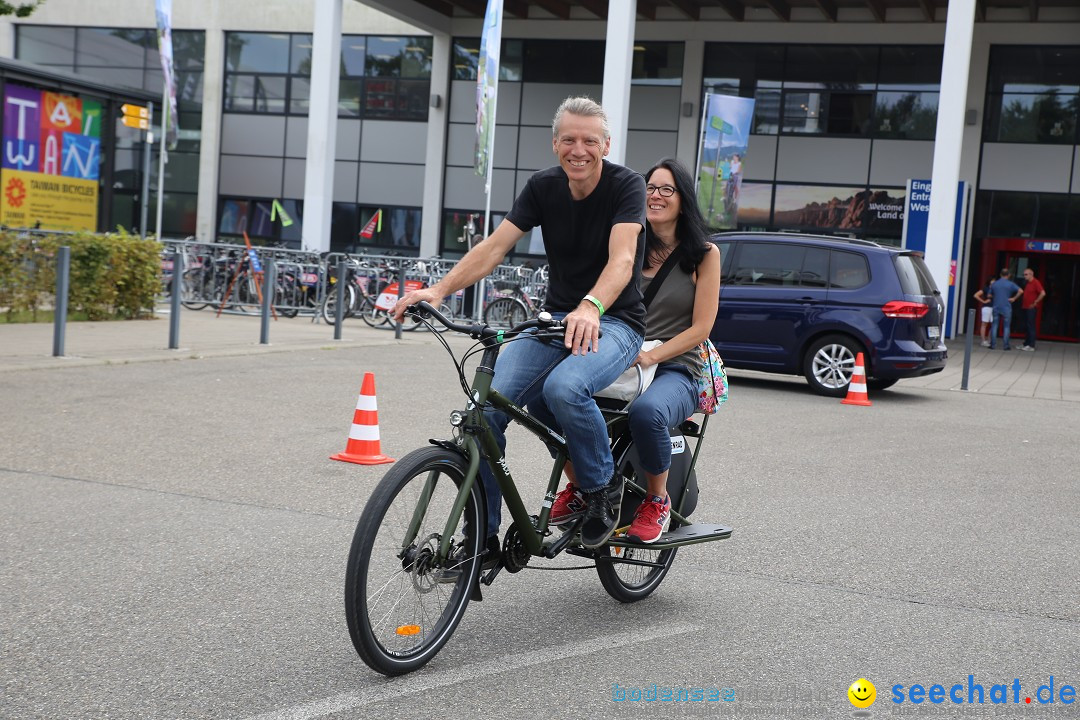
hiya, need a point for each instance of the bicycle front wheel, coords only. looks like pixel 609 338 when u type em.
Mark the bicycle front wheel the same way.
pixel 402 603
pixel 505 312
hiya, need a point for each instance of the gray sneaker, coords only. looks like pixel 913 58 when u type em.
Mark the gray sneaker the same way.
pixel 1027 348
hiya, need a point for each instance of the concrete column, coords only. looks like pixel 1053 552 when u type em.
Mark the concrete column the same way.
pixel 948 141
pixel 692 90
pixel 210 132
pixel 322 125
pixel 618 64
pixel 434 161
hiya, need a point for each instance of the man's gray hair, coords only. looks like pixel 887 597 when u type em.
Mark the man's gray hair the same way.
pixel 583 106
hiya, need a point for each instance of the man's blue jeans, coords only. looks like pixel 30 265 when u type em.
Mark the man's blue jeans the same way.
pixel 1030 315
pixel 1005 317
pixel 527 368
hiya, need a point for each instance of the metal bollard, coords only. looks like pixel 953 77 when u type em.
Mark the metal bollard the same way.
pixel 174 300
pixel 270 277
pixel 969 342
pixel 63 282
pixel 339 304
pixel 400 294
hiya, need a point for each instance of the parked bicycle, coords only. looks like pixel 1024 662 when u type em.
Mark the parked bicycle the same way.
pixel 417 553
pixel 513 304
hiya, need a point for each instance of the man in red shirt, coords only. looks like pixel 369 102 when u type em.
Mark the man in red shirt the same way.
pixel 1033 295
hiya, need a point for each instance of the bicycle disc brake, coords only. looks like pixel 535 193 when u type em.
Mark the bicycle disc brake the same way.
pixel 424 576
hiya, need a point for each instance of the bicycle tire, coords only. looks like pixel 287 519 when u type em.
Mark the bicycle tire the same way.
pixel 626 582
pixel 329 307
pixel 373 316
pixel 193 296
pixel 382 624
pixel 505 312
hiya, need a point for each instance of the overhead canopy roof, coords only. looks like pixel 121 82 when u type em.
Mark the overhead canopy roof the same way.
pixel 424 12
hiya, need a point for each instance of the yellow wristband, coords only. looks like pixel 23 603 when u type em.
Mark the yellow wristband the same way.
pixel 599 305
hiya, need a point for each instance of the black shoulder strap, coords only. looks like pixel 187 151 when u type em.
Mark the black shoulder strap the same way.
pixel 662 273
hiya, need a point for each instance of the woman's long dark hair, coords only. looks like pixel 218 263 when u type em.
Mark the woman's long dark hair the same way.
pixel 690 228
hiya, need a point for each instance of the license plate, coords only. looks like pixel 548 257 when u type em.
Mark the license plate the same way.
pixel 933 332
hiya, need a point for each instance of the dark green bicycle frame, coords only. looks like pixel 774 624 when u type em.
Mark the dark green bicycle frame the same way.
pixel 476 440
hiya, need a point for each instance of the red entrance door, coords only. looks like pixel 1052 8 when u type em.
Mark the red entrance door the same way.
pixel 1057 318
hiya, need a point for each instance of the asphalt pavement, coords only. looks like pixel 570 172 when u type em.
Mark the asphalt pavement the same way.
pixel 173 539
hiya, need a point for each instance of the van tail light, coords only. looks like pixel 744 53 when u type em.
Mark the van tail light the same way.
pixel 904 309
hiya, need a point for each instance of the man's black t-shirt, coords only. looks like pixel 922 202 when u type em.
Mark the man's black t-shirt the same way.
pixel 577 233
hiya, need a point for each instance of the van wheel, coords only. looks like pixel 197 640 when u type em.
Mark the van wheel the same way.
pixel 880 383
pixel 829 363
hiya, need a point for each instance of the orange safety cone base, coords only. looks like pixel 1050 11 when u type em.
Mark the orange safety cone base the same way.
pixel 362 459
pixel 856 394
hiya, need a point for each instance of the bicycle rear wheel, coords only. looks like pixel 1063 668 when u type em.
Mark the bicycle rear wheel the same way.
pixel 401 603
pixel 618 568
pixel 505 312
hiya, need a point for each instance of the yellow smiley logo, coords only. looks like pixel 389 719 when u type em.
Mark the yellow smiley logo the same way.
pixel 862 693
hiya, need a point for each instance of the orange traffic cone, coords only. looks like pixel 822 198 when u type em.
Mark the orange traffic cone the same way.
pixel 856 393
pixel 363 445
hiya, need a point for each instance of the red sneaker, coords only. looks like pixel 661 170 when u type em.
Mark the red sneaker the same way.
pixel 569 504
pixel 651 520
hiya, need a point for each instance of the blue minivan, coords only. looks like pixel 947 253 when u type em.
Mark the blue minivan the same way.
pixel 807 305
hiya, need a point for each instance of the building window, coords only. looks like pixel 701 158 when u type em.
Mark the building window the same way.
pixel 256 217
pixel 1033 94
pixel 850 90
pixel 657 63
pixel 380 77
pixel 466 58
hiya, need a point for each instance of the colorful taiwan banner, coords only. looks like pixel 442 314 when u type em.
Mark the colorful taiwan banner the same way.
pixel 51 160
pixel 727 122
pixel 487 88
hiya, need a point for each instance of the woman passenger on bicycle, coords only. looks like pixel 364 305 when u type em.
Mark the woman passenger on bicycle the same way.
pixel 681 315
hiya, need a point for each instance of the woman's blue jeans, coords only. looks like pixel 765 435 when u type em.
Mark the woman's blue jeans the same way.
pixel 528 368
pixel 670 399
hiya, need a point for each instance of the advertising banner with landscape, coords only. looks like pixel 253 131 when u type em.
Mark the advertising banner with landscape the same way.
pixel 728 120
pixel 51 159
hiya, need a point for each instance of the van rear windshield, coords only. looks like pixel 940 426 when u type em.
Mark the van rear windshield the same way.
pixel 915 278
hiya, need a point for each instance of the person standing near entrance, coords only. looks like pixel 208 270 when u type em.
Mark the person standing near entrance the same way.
pixel 1003 293
pixel 986 311
pixel 1033 295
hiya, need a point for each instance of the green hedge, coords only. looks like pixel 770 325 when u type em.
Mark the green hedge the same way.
pixel 112 276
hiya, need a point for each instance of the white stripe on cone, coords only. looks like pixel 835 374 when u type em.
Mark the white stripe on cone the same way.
pixel 856 387
pixel 364 432
pixel 366 402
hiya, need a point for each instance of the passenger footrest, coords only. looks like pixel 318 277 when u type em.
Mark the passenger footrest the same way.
pixel 685 535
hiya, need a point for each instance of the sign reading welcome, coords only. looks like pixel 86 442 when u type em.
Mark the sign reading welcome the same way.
pixel 51 159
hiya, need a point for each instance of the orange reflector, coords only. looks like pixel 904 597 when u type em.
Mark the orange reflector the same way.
pixel 408 630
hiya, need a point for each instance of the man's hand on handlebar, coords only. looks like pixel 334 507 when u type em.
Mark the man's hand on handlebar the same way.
pixel 582 329
pixel 429 295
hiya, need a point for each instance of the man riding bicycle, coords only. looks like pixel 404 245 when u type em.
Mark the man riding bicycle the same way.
pixel 592 214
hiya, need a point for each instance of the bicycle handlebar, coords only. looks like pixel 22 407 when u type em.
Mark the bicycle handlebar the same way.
pixel 479 331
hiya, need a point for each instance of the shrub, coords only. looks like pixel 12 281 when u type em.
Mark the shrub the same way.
pixel 112 276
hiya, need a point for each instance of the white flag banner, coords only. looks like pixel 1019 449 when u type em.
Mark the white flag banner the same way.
pixel 487 86
pixel 163 10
